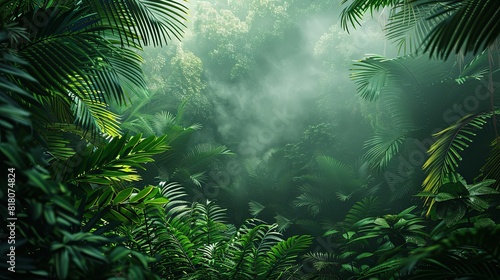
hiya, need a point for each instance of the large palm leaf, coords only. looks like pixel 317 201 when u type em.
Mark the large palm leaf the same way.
pixel 112 163
pixel 409 26
pixel 444 154
pixel 77 52
pixel 152 22
pixel 376 75
pixel 470 26
pixel 452 25
pixel 355 11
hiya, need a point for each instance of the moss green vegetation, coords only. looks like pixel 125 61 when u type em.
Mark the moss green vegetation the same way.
pixel 241 150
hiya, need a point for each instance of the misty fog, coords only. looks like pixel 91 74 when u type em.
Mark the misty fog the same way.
pixel 270 80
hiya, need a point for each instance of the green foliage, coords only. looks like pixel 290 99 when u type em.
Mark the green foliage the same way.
pixel 444 154
pixel 491 169
pixel 434 24
pixel 192 241
pixel 112 163
pixel 67 68
pixel 454 199
pixel 10 80
pixel 331 180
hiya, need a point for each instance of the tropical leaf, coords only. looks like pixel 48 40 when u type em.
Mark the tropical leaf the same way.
pixel 114 162
pixel 255 208
pixel 310 200
pixel 11 91
pixel 383 146
pixel 476 21
pixel 444 154
pixel 357 9
pixel 411 74
pixel 491 169
pixel 476 69
pixel 283 255
pixel 93 67
pixel 367 207
pixel 95 116
pixel 409 26
pixel 150 22
pixel 282 222
pixel 451 26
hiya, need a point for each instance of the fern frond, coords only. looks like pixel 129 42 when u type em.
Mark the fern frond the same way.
pixel 177 205
pixel 283 254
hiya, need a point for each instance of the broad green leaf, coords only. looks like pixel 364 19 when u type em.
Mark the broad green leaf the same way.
pixel 159 200
pixel 118 253
pixel 62 264
pixel 381 222
pixel 142 194
pixel 105 198
pixel 123 195
pixel 442 196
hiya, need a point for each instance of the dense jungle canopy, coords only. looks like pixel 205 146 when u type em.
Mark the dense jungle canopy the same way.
pixel 250 139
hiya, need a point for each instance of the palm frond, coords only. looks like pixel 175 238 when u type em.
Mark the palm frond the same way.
pixel 367 207
pixel 357 9
pixel 309 199
pixel 151 22
pixel 470 26
pixel 491 169
pixel 371 77
pixel 255 208
pixel 202 155
pixel 444 154
pixel 474 70
pixel 114 162
pixel 409 27
pixel 95 116
pixel 334 168
pixel 383 146
pixel 75 61
pixel 11 78
pixel 376 75
pixel 283 255
pixel 282 222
